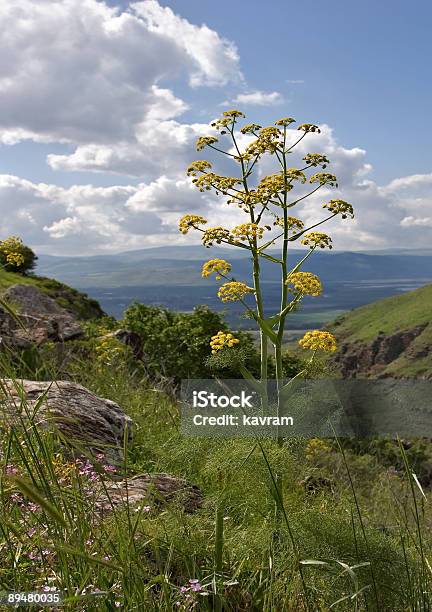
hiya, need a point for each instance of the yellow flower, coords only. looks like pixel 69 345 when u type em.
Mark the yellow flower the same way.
pixel 220 266
pixel 317 239
pixel 318 340
pixel 11 249
pixel 248 231
pixel 189 221
pixel 223 340
pixel 309 127
pixel 201 165
pixel 340 207
pixel 215 234
pixel 324 178
pixel 317 447
pixel 233 113
pixel 316 159
pixel 285 121
pixel 250 128
pixel 305 283
pixel 234 291
pixel 211 180
pixel 205 141
pixel 292 223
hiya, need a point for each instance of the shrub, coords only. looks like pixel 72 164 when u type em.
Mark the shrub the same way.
pixel 15 256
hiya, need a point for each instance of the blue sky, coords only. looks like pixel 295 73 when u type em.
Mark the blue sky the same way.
pixel 75 102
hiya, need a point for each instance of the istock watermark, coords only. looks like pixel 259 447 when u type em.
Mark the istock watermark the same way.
pixel 310 408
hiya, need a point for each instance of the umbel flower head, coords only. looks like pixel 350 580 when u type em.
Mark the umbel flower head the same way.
pixel 319 340
pixel 218 266
pixel 340 207
pixel 11 249
pixel 205 141
pixel 189 221
pixel 248 231
pixel 292 223
pixel 304 283
pixel 234 291
pixel 223 340
pixel 317 239
pixel 216 234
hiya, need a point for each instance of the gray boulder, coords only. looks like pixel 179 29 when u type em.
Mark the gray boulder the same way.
pixel 85 420
pixel 40 317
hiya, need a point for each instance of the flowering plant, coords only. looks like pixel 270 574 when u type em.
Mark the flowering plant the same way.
pixel 267 202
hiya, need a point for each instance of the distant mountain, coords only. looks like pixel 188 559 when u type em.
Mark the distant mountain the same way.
pixel 171 276
pixel 391 337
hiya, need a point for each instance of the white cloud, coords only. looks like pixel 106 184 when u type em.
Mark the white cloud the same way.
pixel 258 98
pixel 79 71
pixel 416 222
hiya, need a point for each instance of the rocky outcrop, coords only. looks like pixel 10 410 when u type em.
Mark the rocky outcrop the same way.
pixel 152 491
pixel 358 359
pixel 38 317
pixel 85 420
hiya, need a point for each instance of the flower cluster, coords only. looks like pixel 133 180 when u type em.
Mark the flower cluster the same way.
pixel 228 118
pixel 245 199
pixel 215 234
pixel 268 141
pixel 292 223
pixel 218 266
pixel 248 231
pixel 221 183
pixel 234 291
pixel 11 248
pixel 294 174
pixel 189 221
pixel 188 595
pixel 250 128
pixel 285 121
pixel 200 165
pixel 305 283
pixel 222 340
pixel 270 186
pixel 205 141
pixel 316 159
pixel 316 448
pixel 317 239
pixel 340 207
pixel 318 340
pixel 324 178
pixel 309 127
pixel 110 351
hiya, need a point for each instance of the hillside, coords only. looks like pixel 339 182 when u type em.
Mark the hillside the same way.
pixel 391 337
pixel 72 300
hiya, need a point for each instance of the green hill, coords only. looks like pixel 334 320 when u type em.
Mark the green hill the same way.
pixel 67 297
pixel 391 337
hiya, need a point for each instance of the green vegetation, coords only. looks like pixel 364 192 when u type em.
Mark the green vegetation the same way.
pixel 15 256
pixel 360 532
pixel 77 302
pixel 389 316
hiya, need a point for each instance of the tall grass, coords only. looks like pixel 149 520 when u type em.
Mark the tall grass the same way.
pixel 364 546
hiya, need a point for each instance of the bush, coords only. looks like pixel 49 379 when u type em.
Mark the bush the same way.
pixel 15 256
pixel 176 345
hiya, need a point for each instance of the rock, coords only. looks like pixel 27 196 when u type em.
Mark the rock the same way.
pixel 85 420
pixel 370 359
pixel 154 490
pixel 129 338
pixel 42 319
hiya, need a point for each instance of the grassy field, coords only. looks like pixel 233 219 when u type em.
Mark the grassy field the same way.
pixel 310 525
pixel 362 540
pixel 389 316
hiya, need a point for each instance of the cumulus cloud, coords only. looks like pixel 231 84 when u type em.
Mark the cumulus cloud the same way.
pixel 79 71
pixel 258 98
